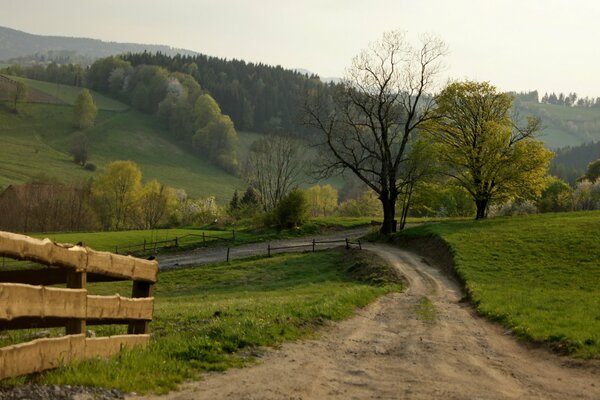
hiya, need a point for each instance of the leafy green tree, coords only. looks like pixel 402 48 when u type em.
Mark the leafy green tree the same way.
pixel 484 151
pixel 80 148
pixel 19 94
pixel 156 202
pixel 218 141
pixel 234 204
pixel 85 110
pixel 292 210
pixel 206 111
pixel 557 196
pixel 117 192
pixel 322 200
pixel 593 171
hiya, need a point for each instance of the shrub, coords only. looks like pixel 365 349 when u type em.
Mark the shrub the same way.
pixel 90 167
pixel 292 210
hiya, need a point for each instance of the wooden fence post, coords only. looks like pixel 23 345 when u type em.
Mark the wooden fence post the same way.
pixel 347 244
pixel 176 242
pixel 359 245
pixel 140 289
pixel 76 280
pixel 269 250
pixel 313 243
pixel 228 254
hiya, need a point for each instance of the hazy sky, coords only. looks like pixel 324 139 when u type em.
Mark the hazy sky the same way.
pixel 549 45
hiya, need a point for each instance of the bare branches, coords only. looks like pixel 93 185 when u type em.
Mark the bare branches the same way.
pixel 367 123
pixel 273 168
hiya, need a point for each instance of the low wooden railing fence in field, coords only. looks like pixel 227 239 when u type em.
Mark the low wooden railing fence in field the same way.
pixel 349 243
pixel 190 239
pixel 27 301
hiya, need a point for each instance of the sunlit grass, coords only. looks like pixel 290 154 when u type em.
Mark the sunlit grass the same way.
pixel 538 275
pixel 209 318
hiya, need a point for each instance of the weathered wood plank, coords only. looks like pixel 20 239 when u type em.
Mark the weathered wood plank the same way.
pixel 140 290
pixel 117 307
pixel 19 300
pixel 76 280
pixel 79 258
pixel 42 354
pixel 49 276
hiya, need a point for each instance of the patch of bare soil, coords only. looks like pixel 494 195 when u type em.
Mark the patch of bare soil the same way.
pixel 423 343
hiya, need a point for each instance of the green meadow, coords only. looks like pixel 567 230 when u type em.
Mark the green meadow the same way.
pixel 214 317
pixel 537 275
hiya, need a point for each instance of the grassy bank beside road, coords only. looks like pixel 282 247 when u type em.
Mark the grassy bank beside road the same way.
pixel 213 317
pixel 537 275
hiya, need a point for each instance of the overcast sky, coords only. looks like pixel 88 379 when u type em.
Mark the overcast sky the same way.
pixel 549 45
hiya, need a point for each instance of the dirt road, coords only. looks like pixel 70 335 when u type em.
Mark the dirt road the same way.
pixel 209 255
pixel 394 349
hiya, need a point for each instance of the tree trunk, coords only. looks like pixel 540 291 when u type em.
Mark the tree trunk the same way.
pixel 481 208
pixel 389 214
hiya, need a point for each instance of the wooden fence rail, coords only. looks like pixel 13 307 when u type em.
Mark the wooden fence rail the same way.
pixel 28 302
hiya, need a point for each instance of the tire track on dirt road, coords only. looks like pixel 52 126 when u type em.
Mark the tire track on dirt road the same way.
pixel 388 351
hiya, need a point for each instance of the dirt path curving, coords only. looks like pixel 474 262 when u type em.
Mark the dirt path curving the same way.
pixel 209 255
pixel 404 346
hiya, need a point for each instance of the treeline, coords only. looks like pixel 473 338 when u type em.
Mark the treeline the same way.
pixel 258 97
pixel 116 199
pixel 570 163
pixel 190 113
pixel 66 74
pixel 567 100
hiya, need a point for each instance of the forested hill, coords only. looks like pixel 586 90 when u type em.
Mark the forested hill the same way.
pixel 257 97
pixel 22 45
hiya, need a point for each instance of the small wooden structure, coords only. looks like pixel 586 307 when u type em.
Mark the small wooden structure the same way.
pixel 26 302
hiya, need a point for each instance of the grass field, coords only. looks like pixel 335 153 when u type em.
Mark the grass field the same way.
pixel 209 318
pixel 565 126
pixel 36 141
pixel 108 241
pixel 537 275
pixel 68 94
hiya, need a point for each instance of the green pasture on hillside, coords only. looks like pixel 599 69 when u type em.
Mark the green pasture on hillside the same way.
pixel 538 275
pixel 208 318
pixel 69 94
pixel 37 140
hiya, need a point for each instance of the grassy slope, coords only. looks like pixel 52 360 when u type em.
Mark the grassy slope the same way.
pixel 566 126
pixel 68 94
pixel 538 275
pixel 205 316
pixel 37 140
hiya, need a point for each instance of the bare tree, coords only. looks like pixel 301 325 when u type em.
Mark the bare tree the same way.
pixel 273 167
pixel 366 125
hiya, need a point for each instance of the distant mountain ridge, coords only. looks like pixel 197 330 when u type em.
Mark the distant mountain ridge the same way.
pixel 15 43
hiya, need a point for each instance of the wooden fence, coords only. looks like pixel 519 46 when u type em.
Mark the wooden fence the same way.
pixel 190 240
pixel 28 302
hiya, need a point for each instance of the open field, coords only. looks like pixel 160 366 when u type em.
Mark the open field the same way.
pixel 537 275
pixel 36 141
pixel 565 126
pixel 213 317
pixel 69 94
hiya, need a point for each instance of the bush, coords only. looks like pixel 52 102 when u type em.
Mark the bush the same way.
pixel 90 167
pixel 292 210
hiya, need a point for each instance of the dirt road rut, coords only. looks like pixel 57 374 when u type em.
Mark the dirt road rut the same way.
pixel 396 349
